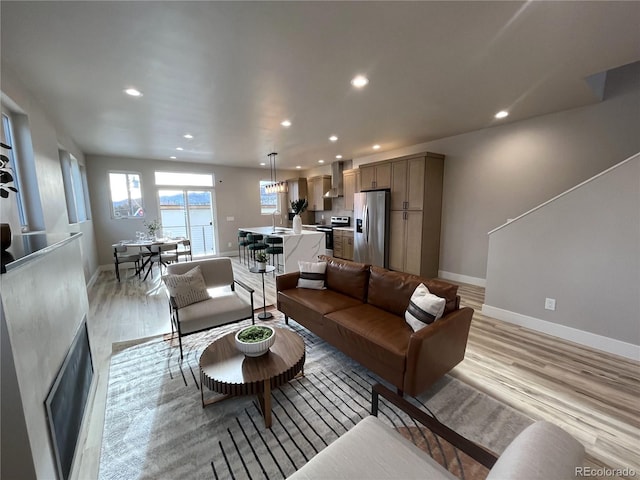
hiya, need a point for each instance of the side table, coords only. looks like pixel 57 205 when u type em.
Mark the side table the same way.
pixel 270 268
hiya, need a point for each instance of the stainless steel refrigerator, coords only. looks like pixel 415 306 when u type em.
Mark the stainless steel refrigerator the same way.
pixel 371 227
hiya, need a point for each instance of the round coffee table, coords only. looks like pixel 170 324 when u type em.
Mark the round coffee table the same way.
pixel 225 370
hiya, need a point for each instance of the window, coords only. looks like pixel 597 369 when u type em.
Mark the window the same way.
pixel 184 179
pixel 75 188
pixel 268 201
pixel 126 195
pixel 8 139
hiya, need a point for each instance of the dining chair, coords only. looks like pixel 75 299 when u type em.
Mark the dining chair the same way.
pixel 162 254
pixel 122 255
pixel 184 249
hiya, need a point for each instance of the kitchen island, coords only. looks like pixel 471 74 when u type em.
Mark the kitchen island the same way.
pixel 305 246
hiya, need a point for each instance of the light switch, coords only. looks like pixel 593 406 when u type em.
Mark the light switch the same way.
pixel 550 303
pixel 230 219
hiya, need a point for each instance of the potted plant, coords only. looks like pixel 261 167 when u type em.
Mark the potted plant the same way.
pixel 6 177
pixel 298 206
pixel 261 260
pixel 255 340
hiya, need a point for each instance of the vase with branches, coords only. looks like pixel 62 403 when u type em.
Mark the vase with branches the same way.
pixel 298 206
pixel 6 178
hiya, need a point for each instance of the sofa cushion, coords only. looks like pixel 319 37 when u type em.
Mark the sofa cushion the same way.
pixel 227 307
pixel 373 332
pixel 424 308
pixel 186 288
pixel 312 275
pixel 320 301
pixel 391 291
pixel 347 277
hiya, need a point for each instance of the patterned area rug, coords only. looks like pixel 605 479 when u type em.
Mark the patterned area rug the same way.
pixel 155 427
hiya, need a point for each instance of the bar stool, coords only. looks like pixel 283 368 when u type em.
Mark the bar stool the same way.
pixel 255 243
pixel 243 242
pixel 275 249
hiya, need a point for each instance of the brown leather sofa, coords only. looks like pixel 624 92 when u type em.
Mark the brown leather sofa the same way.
pixel 361 312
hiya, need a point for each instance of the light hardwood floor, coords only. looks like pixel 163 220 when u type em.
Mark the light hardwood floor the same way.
pixel 591 394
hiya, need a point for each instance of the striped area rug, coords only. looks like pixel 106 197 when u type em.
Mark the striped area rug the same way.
pixel 155 427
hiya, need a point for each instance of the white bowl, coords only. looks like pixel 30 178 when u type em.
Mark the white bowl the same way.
pixel 256 349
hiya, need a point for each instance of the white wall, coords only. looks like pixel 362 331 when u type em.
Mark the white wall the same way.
pixel 236 195
pixel 581 249
pixel 46 138
pixel 498 173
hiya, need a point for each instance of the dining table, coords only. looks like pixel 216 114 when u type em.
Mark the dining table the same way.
pixel 147 243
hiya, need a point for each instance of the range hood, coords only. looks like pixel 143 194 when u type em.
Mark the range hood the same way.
pixel 336 180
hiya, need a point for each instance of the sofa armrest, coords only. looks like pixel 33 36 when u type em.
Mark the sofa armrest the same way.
pixel 287 281
pixel 435 350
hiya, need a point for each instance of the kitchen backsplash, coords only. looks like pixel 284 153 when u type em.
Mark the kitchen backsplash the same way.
pixel 336 211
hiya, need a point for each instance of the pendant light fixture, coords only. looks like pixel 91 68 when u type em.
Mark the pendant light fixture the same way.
pixel 275 186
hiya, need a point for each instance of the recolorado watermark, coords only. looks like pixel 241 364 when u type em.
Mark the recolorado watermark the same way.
pixel 605 472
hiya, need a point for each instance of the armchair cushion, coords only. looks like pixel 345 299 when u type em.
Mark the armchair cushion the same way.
pixel 187 288
pixel 424 308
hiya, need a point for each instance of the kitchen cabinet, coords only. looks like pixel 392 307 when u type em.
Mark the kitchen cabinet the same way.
pixel 405 240
pixel 375 176
pixel 347 245
pixel 343 244
pixel 407 184
pixel 317 187
pixel 349 178
pixel 337 244
pixel 415 212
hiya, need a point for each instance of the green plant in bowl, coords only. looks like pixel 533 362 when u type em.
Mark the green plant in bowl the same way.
pixel 254 334
pixel 261 257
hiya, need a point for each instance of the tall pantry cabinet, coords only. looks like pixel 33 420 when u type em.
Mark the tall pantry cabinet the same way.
pixel 416 213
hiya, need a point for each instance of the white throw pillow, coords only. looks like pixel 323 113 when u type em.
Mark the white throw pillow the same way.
pixel 312 275
pixel 187 288
pixel 424 308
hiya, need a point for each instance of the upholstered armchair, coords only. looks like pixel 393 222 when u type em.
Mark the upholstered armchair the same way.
pixel 202 294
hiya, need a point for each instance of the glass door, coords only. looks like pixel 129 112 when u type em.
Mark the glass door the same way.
pixel 189 214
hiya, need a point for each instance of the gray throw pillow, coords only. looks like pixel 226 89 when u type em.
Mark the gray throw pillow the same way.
pixel 187 288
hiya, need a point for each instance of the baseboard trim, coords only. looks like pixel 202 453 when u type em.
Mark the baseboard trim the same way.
pixel 93 278
pixel 456 277
pixel 588 339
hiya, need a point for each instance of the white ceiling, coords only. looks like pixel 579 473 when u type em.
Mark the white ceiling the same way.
pixel 230 72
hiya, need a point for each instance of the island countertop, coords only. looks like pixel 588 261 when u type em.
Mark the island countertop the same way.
pixel 304 246
pixel 279 231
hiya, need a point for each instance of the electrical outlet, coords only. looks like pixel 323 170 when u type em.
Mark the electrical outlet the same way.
pixel 550 303
pixel 229 244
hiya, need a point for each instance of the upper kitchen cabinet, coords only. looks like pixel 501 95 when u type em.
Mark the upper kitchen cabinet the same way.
pixel 317 187
pixel 298 189
pixel 350 186
pixel 407 183
pixel 375 176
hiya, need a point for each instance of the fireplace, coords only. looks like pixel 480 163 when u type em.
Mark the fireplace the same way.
pixel 65 404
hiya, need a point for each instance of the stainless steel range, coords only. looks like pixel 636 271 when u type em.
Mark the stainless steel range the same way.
pixel 328 231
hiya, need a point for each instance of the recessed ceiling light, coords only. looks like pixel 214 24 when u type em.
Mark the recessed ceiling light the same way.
pixel 262 164
pixel 298 167
pixel 359 81
pixel 179 149
pixel 173 157
pixel 376 147
pixel 320 161
pixel 133 92
pixel 502 114
pixel 333 138
pixel 188 136
pixel 285 123
pixel 338 157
